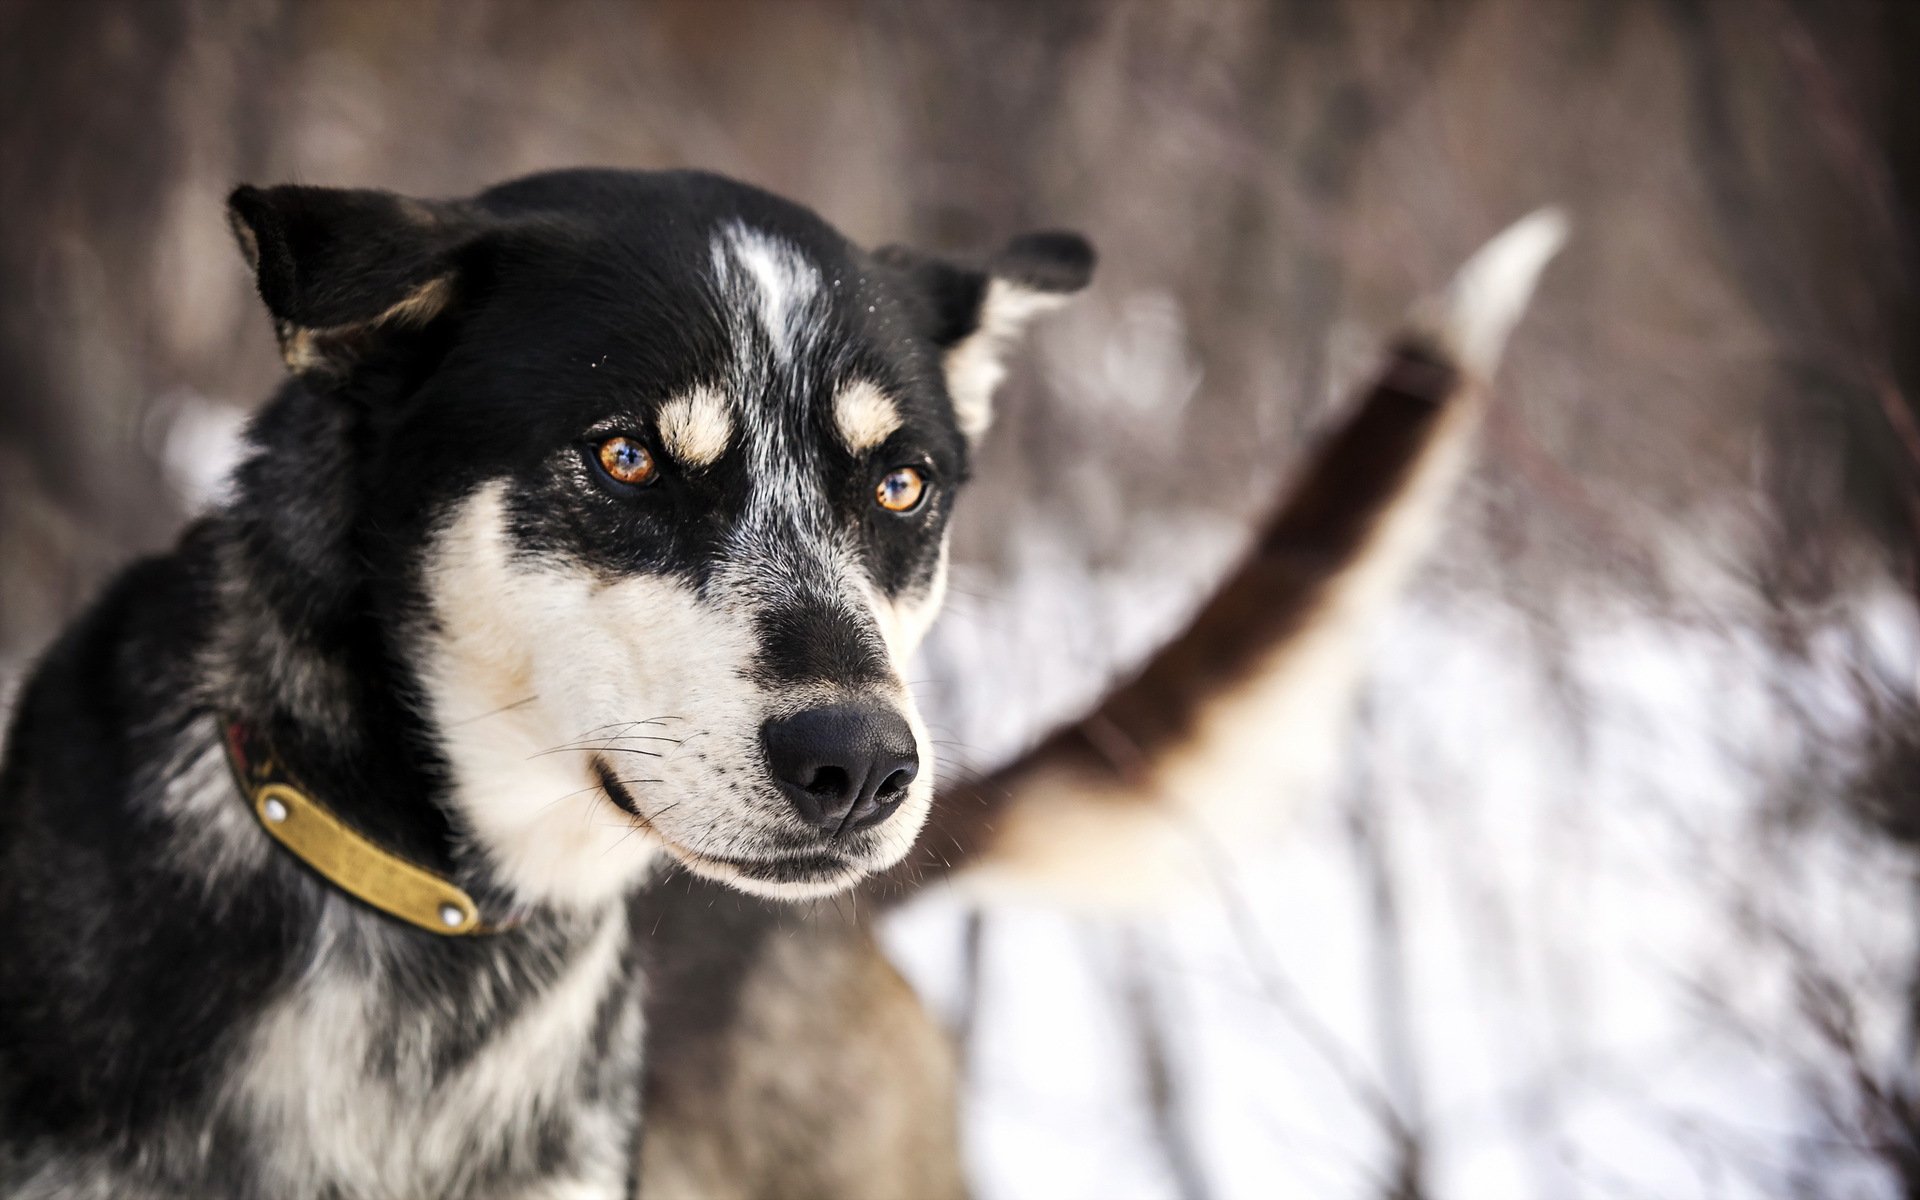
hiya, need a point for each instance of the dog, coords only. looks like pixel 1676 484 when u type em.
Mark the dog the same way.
pixel 589 534
pixel 791 1062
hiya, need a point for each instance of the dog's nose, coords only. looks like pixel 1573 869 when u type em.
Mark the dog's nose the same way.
pixel 845 766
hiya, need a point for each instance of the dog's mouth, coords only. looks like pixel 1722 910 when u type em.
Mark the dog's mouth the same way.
pixel 796 875
pixel 806 873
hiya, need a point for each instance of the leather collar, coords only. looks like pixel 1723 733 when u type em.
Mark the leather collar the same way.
pixel 341 855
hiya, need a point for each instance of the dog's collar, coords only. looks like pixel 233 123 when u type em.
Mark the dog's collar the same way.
pixel 340 854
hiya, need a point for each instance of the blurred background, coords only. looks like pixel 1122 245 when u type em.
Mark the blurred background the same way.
pixel 1616 894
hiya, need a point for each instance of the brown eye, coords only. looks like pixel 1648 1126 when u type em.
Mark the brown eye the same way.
pixel 900 490
pixel 626 461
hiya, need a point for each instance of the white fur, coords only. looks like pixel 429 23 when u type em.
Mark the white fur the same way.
pixel 864 415
pixel 904 620
pixel 975 365
pixel 783 283
pixel 322 1109
pixel 537 668
pixel 768 283
pixel 695 428
pixel 216 840
pixel 1479 309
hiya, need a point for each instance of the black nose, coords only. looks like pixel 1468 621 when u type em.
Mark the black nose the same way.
pixel 845 766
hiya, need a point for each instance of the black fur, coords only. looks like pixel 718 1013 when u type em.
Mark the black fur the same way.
pixel 149 932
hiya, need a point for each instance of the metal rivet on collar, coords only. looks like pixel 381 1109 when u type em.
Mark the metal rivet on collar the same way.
pixel 451 915
pixel 274 810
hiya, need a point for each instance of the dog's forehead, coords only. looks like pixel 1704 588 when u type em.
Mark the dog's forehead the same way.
pixel 720 263
pixel 742 333
pixel 790 319
pixel 812 339
pixel 734 329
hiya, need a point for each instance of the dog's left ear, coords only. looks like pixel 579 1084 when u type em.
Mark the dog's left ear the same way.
pixel 343 269
pixel 978 313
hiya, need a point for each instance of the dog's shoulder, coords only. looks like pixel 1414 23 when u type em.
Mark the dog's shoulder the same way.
pixel 111 939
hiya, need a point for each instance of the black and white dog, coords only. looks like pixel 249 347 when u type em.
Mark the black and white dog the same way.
pixel 590 532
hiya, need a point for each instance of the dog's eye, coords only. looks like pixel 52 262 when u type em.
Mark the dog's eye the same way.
pixel 900 490
pixel 626 461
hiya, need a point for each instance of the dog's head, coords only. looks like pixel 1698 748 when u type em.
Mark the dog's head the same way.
pixel 664 466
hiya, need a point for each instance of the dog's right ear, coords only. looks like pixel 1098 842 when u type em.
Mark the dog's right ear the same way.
pixel 342 269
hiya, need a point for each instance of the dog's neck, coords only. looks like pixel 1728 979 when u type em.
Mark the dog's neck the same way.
pixel 335 712
pixel 304 653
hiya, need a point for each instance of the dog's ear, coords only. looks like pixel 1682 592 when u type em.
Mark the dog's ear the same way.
pixel 342 269
pixel 978 313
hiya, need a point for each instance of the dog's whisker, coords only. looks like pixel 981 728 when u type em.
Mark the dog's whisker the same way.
pixel 592 787
pixel 634 780
pixel 504 708
pixel 588 733
pixel 623 737
pixel 595 750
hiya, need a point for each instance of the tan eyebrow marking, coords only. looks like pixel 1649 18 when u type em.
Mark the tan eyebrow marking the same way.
pixel 865 416
pixel 695 428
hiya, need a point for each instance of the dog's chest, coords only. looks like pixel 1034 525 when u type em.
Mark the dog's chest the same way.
pixel 352 1084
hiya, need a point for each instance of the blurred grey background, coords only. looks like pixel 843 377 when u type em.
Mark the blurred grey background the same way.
pixel 1617 897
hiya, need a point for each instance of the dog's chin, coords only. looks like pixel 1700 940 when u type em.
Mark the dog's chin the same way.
pixel 787 877
pixel 778 871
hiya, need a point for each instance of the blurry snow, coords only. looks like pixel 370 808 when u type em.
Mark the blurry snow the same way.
pixel 198 442
pixel 1608 946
